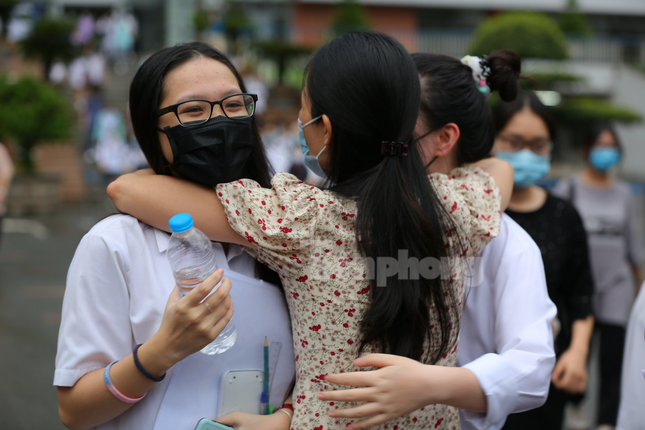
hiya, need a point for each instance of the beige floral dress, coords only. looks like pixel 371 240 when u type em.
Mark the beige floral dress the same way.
pixel 307 236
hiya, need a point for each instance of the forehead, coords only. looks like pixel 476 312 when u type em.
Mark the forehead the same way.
pixel 527 124
pixel 200 78
pixel 606 138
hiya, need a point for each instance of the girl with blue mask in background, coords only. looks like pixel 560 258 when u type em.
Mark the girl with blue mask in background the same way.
pixel 525 131
pixel 607 208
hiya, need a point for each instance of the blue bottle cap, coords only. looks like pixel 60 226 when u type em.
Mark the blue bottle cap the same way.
pixel 181 223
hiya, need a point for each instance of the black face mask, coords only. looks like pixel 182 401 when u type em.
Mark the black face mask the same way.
pixel 211 153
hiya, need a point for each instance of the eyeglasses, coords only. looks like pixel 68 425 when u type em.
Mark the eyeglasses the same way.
pixel 539 146
pixel 195 112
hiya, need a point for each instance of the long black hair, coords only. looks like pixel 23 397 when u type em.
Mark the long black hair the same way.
pixel 367 84
pixel 449 95
pixel 147 91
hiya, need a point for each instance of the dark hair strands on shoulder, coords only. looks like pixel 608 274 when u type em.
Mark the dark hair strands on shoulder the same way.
pixel 376 97
pixel 146 93
pixel 450 95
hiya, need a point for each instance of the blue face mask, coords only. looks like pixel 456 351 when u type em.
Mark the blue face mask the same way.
pixel 310 161
pixel 604 158
pixel 529 167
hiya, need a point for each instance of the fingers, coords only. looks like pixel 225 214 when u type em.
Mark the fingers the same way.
pixel 200 292
pixel 221 324
pixel 558 372
pixel 357 412
pixel 377 360
pixel 353 395
pixel 218 297
pixel 356 379
pixel 174 296
pixel 232 419
pixel 370 422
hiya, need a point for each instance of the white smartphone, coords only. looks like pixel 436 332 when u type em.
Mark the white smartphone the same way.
pixel 241 391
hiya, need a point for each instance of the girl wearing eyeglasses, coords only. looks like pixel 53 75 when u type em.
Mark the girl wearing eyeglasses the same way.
pixel 128 345
pixel 525 132
pixel 339 249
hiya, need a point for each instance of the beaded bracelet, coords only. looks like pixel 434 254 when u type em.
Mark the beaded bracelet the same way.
pixel 143 369
pixel 110 386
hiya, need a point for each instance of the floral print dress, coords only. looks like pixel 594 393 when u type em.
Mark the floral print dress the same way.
pixel 307 236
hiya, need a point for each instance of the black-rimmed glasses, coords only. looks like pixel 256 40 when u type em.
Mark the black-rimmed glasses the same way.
pixel 195 112
pixel 539 146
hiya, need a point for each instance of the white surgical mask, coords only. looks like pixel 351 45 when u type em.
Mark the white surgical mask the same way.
pixel 310 161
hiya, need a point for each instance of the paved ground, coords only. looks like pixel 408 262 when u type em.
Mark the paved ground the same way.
pixel 33 266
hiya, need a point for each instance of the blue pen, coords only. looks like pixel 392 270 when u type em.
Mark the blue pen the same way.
pixel 263 403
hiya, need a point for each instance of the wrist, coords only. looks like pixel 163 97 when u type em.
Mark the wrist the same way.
pixel 284 416
pixel 155 358
pixel 579 350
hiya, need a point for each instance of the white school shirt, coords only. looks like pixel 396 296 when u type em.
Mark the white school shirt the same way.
pixel 631 415
pixel 117 288
pixel 506 336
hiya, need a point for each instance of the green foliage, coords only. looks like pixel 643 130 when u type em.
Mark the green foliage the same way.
pixel 588 109
pixel 49 40
pixel 235 20
pixel 201 22
pixel 546 80
pixel 32 112
pixel 348 16
pixel 574 23
pixel 281 52
pixel 530 34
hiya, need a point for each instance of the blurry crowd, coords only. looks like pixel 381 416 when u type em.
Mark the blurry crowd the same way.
pixel 107 42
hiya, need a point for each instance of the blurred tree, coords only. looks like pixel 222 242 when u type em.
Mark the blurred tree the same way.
pixel 530 34
pixel 201 22
pixel 6 6
pixel 348 16
pixel 573 22
pixel 32 112
pixel 235 23
pixel 583 110
pixel 281 52
pixel 49 40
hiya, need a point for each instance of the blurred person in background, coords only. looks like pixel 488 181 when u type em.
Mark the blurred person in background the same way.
pixel 112 153
pixel 6 175
pixel 607 208
pixel 525 132
pixel 255 85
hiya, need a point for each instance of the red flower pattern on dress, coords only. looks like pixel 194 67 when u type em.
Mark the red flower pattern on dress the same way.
pixel 325 280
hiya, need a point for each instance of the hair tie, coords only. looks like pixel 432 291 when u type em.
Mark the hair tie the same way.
pixel 394 148
pixel 481 72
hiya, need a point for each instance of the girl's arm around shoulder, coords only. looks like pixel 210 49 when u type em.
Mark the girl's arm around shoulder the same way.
pixel 154 199
pixel 502 173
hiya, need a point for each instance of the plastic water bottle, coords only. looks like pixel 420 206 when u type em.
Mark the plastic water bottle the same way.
pixel 192 261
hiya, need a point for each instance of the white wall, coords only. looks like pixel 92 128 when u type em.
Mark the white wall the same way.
pixel 629 90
